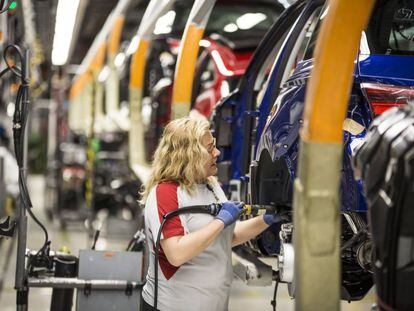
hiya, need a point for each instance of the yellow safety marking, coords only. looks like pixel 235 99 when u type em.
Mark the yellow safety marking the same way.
pixel 138 64
pixel 99 59
pixel 115 36
pixel 184 74
pixel 336 49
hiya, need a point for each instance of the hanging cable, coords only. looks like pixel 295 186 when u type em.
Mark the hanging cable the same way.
pixel 273 301
pixel 20 118
pixel 212 209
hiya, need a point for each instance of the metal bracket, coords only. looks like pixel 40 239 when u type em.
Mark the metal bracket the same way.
pixel 128 289
pixel 87 289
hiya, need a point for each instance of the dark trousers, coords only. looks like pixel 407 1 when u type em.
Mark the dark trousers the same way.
pixel 145 306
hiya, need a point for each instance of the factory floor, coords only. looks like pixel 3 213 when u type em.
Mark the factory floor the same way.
pixel 74 237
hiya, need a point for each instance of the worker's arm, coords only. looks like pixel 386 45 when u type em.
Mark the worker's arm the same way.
pixel 248 229
pixel 180 249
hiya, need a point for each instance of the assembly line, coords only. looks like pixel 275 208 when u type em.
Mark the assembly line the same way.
pixel 207 155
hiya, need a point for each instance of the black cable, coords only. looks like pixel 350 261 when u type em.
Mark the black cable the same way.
pixel 20 118
pixel 132 241
pixel 16 70
pixel 212 209
pixel 273 301
pixel 138 237
pixel 156 263
pixel 95 238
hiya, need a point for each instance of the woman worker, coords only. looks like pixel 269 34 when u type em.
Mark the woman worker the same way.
pixel 195 266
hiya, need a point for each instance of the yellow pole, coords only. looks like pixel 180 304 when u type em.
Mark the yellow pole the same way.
pixel 187 57
pixel 316 197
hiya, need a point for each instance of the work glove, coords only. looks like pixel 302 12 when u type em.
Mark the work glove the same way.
pixel 273 218
pixel 229 212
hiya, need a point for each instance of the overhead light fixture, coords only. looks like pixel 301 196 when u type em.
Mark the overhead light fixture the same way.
pixel 164 23
pixel 249 20
pixel 65 22
pixel 232 27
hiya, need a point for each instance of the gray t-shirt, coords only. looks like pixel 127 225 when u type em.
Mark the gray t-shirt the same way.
pixel 203 283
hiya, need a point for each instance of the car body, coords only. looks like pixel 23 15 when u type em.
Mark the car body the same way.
pixel 382 79
pixel 259 162
pixel 238 115
pixel 221 63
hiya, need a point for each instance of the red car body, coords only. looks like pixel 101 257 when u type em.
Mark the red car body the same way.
pixel 228 65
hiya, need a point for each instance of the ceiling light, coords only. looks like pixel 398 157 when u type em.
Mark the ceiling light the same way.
pixel 232 27
pixel 249 20
pixel 164 23
pixel 65 22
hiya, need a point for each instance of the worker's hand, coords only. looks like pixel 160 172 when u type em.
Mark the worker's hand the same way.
pixel 273 218
pixel 229 212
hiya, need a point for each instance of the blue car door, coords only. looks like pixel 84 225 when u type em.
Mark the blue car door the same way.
pixel 237 115
pixel 230 114
pixel 296 44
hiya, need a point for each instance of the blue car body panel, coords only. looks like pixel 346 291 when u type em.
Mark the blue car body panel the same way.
pixel 276 144
pixel 280 135
pixel 387 69
pixel 241 111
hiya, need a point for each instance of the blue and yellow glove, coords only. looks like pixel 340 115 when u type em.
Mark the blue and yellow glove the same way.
pixel 230 212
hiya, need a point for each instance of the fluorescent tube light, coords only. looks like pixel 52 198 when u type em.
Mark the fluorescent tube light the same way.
pixel 65 22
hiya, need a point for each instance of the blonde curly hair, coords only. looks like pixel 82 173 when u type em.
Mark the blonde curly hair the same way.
pixel 180 155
